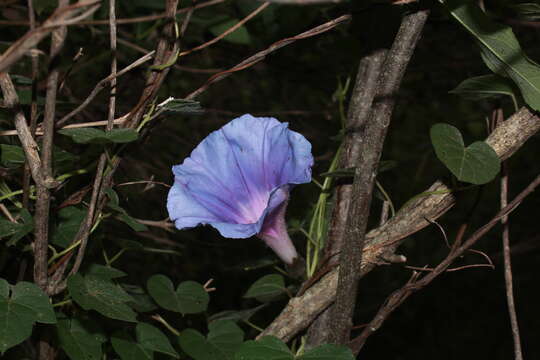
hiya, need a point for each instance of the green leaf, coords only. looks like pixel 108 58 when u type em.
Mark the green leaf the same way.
pixel 84 135
pixel 527 11
pixel 226 336
pixel 21 229
pixel 267 288
pixel 234 315
pixel 96 136
pixel 328 352
pixel 196 346
pixel 239 36
pixel 105 272
pixel 18 313
pixel 128 349
pixel 70 219
pixel 183 106
pixel 11 155
pixel 266 348
pixel 151 338
pixel 500 49
pixel 8 228
pixel 142 302
pixel 189 298
pixel 121 136
pixel 101 294
pixel 484 87
pixel 31 297
pixel 477 164
pixel 132 223
pixel 79 340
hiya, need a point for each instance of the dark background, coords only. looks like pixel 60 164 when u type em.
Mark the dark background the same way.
pixel 463 314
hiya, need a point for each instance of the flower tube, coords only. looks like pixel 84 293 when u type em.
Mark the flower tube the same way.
pixel 238 180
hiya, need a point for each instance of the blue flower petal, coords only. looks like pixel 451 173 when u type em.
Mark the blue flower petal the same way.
pixel 231 176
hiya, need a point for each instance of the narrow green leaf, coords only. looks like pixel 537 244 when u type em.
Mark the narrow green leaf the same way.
pixel 239 36
pixel 103 271
pixel 476 164
pixel 266 348
pixel 102 295
pixel 11 155
pixel 153 339
pixel 500 49
pixel 132 223
pixel 484 87
pixel 121 136
pixel 84 135
pixel 183 106
pixel 234 315
pixel 189 298
pixel 266 288
pixel 97 136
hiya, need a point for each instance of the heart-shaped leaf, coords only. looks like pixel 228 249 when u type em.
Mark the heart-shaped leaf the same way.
pixel 79 339
pixel 266 348
pixel 476 164
pixel 224 338
pixel 128 349
pixel 189 298
pixel 152 338
pixel 101 294
pixel 18 312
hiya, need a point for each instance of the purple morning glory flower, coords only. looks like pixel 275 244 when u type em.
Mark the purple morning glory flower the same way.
pixel 238 181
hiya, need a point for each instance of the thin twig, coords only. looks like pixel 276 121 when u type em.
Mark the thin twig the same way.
pixel 134 20
pixel 61 17
pixel 41 217
pixel 228 31
pixel 252 60
pixel 30 147
pixel 27 176
pixel 508 278
pixel 399 296
pixel 102 84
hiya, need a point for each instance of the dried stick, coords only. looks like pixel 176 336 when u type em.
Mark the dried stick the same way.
pixel 507 138
pixel 30 147
pixel 508 278
pixel 27 176
pixel 362 96
pixel 372 141
pixel 228 31
pixel 252 60
pixel 61 17
pixel 128 20
pixel 399 296
pixel 101 85
pixel 41 217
